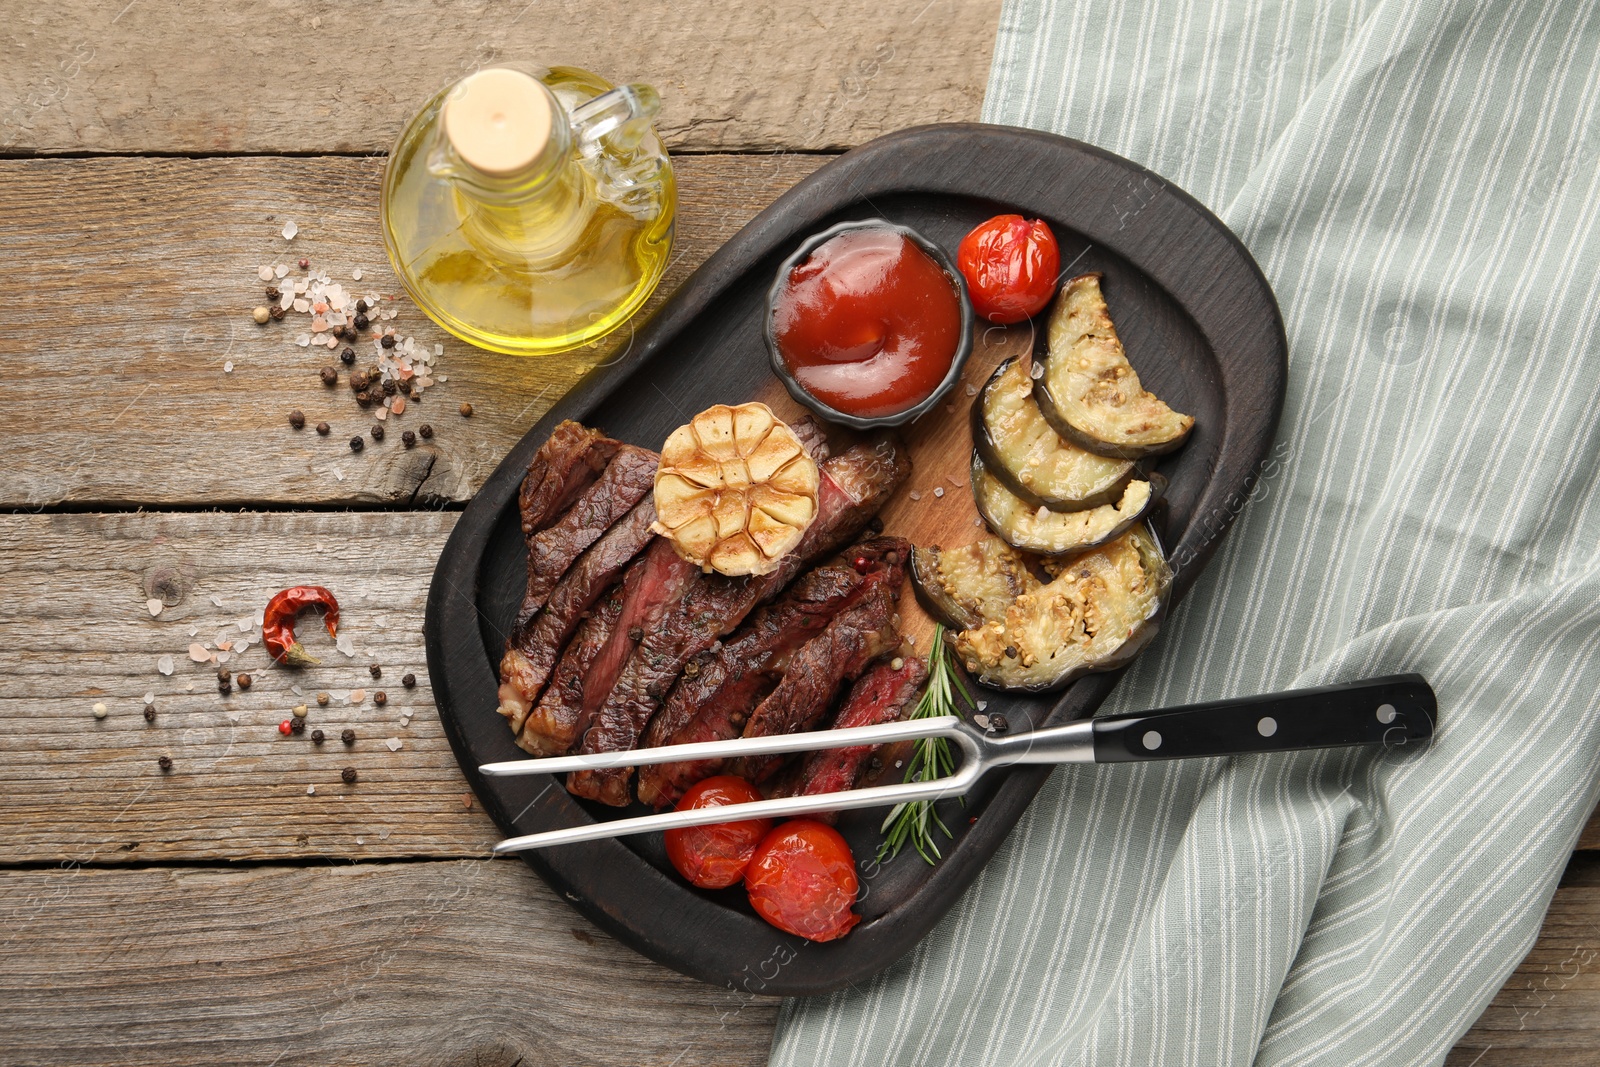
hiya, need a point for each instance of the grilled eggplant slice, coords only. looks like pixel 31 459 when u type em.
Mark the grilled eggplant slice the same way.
pixel 1096 615
pixel 1033 461
pixel 1059 533
pixel 1089 392
pixel 963 586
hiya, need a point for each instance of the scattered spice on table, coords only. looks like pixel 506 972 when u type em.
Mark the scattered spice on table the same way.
pixel 377 431
pixel 357 444
pixel 284 727
pixel 262 315
pixel 300 711
pixel 322 700
pixel 149 713
pixel 244 681
pixel 408 439
pixel 426 430
pixel 330 376
pixel 324 429
pixel 376 670
pixel 165 763
pixel 348 737
pixel 277 627
pixel 380 698
pixel 297 419
pixel 349 775
pixel 99 711
pixel 409 681
pixel 317 737
pixel 466 410
pixel 297 726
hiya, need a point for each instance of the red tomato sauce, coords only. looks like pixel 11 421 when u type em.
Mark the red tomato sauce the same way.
pixel 869 324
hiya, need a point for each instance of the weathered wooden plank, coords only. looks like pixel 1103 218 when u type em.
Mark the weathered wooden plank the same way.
pixel 77 632
pixel 1548 1013
pixel 131 285
pixel 278 76
pixel 448 963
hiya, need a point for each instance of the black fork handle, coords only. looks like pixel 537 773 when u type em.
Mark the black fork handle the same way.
pixel 1392 711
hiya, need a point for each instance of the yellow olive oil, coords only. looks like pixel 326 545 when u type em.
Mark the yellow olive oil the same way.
pixel 530 212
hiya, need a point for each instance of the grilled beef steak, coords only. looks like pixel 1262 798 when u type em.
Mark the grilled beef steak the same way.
pixel 857 636
pixel 570 459
pixel 854 485
pixel 555 725
pixel 552 550
pixel 713 702
pixel 532 651
pixel 881 695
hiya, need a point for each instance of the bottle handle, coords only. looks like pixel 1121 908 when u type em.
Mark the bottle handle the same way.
pixel 621 116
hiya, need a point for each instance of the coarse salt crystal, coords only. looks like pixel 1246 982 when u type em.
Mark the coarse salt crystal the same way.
pixel 356 274
pixel 357 695
pixel 382 414
pixel 281 270
pixel 399 405
pixel 149 698
pixel 438 350
pixel 216 600
pixel 302 305
pixel 244 624
pixel 225 645
pixel 361 840
pixel 938 491
pixel 265 274
pixel 393 744
pixel 240 646
pixel 338 475
pixel 915 495
pixel 289 230
pixel 972 390
pixel 153 606
pixel 311 790
pixel 1038 371
pixel 345 644
pixel 228 367
pixel 199 653
pixel 223 657
pixel 164 664
pixel 304 340
pixel 193 630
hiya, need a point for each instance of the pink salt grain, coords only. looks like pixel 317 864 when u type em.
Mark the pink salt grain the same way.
pixel 399 405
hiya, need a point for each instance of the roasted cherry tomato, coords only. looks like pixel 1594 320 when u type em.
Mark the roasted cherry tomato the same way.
pixel 1011 265
pixel 715 856
pixel 802 880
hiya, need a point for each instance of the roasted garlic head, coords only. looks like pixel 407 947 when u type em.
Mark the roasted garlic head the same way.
pixel 735 490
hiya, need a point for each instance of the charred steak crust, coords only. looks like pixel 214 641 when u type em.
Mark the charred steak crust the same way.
pixel 712 702
pixel 552 550
pixel 880 695
pixel 568 462
pixel 857 636
pixel 555 725
pixel 855 485
pixel 531 652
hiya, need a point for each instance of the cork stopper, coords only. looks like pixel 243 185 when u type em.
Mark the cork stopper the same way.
pixel 498 120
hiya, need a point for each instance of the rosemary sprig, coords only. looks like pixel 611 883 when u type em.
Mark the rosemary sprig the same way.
pixel 932 757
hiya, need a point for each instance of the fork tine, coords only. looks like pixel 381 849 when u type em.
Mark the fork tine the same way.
pixel 883 733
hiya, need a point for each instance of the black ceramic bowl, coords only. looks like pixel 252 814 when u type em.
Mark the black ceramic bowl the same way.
pixel 963 347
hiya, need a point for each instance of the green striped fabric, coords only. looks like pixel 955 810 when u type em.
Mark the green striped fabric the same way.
pixel 1419 182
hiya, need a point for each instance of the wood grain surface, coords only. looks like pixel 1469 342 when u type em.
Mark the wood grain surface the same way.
pixel 473 963
pixel 116 392
pixel 137 76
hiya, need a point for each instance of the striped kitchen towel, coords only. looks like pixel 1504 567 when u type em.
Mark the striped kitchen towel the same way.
pixel 1419 182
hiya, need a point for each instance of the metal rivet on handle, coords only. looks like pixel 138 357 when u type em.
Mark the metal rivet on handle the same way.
pixel 1267 726
pixel 1152 740
pixel 1386 713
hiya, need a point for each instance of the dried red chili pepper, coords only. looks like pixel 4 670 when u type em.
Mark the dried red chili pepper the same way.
pixel 277 624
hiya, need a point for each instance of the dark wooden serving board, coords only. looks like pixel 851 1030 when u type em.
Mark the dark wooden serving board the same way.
pixel 1201 327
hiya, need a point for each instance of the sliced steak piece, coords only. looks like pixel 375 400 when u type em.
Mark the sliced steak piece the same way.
pixel 552 550
pixel 555 725
pixel 856 637
pixel 568 462
pixel 532 651
pixel 854 485
pixel 719 690
pixel 882 694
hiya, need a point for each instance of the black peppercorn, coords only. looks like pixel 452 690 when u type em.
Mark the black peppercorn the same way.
pixel 362 306
pixel 297 725
pixel 348 333
pixel 297 419
pixel 387 341
pixel 276 312
pixel 997 723
pixel 224 687
pixel 317 737
pixel 349 775
pixel 165 763
pixel 149 713
pixel 358 380
pixel 348 737
pixel 405 386
pixel 408 439
pixel 409 681
pixel 425 430
pixel 347 356
pixel 390 387
pixel 330 376
pixel 375 670
pixel 364 398
pixel 465 409
pixel 380 698
pixel 324 429
pixel 377 431
pixel 244 681
pixel 361 320
pixel 357 444
pixel 272 293
pixel 224 675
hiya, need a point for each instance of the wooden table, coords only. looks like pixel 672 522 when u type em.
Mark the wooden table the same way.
pixel 225 912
